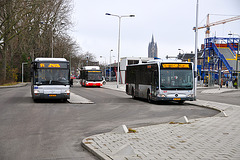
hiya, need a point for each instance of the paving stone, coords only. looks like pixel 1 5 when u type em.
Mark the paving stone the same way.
pixel 204 138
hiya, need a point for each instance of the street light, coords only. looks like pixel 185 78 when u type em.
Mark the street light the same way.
pixel 195 60
pixel 52 35
pixel 237 58
pixel 23 69
pixel 110 70
pixel 119 17
pixel 64 54
pixel 181 57
pixel 104 65
pixel 52 38
pixel 181 50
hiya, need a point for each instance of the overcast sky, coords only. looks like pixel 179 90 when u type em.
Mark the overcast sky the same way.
pixel 169 21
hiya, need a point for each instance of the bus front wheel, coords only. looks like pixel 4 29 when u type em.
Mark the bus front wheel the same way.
pixel 149 97
pixel 181 102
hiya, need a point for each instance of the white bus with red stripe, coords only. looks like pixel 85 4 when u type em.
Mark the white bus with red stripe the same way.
pixel 91 76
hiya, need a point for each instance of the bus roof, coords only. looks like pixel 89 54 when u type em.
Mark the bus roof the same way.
pixel 91 68
pixel 51 59
pixel 165 60
pixel 159 62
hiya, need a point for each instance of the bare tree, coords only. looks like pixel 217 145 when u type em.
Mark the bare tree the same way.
pixel 27 28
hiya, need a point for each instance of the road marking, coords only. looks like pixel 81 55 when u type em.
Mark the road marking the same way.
pixel 76 99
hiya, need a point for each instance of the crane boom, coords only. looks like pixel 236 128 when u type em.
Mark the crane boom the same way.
pixel 208 25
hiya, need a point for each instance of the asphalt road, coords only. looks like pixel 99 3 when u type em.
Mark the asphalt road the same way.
pixel 51 130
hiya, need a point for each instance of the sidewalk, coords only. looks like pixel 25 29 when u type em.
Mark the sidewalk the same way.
pixel 113 85
pixel 12 86
pixel 216 89
pixel 205 138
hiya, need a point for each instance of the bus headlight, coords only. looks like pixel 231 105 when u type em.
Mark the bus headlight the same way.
pixel 67 91
pixel 36 91
pixel 161 95
pixel 190 96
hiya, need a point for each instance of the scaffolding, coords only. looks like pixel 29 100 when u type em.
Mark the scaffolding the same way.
pixel 219 59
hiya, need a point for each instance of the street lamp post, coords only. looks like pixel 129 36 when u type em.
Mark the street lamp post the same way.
pixel 23 70
pixel 52 26
pixel 195 60
pixel 52 41
pixel 104 66
pixel 237 66
pixel 119 17
pixel 110 70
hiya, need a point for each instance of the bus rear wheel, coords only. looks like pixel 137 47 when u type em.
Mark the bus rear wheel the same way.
pixel 133 95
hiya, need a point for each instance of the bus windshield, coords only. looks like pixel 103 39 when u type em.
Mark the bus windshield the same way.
pixel 171 79
pixel 94 76
pixel 51 77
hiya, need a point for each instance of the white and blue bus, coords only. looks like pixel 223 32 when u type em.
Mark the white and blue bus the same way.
pixel 161 81
pixel 50 78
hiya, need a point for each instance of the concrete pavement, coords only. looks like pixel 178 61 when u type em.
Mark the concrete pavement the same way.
pixel 205 138
pixel 217 90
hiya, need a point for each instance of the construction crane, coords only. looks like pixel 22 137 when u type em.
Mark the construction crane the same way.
pixel 208 25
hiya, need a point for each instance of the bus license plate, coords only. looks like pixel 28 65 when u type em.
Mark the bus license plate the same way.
pixel 176 99
pixel 52 95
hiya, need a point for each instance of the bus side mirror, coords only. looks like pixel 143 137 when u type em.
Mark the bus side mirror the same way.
pixel 35 65
pixel 71 82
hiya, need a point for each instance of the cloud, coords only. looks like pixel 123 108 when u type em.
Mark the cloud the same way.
pixel 170 22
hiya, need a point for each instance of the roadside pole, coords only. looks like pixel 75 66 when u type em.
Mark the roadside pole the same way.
pixel 237 68
pixel 23 69
pixel 195 62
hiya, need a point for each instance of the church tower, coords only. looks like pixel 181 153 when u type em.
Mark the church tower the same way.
pixel 152 49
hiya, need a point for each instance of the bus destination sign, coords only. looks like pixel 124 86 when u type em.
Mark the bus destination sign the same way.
pixel 52 65
pixel 175 65
pixel 94 71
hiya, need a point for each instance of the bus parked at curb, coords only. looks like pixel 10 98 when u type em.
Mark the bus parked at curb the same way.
pixel 91 76
pixel 50 79
pixel 161 81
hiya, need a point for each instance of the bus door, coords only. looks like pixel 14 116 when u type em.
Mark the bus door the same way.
pixel 154 83
pixel 137 91
pixel 138 81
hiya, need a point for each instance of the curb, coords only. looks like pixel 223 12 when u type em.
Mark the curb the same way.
pixel 14 86
pixel 98 154
pixel 201 105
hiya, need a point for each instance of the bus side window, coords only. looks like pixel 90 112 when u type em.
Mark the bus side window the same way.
pixel 156 77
